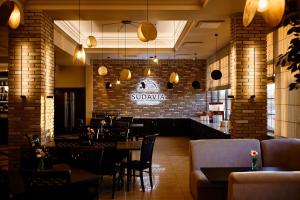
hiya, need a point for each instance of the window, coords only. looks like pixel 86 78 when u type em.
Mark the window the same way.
pixel 271 106
pixel 222 96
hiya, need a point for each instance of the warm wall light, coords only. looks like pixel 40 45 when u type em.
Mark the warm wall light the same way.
pixel 102 70
pixel 147 72
pixel 118 82
pixel 174 78
pixel 79 54
pixel 14 20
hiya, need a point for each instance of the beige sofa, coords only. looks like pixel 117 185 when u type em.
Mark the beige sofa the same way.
pixel 246 185
pixel 217 153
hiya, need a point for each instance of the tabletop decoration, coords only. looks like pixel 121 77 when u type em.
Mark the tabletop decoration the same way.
pixel 41 154
pixel 254 156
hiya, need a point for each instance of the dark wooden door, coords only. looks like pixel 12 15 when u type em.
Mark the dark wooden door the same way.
pixel 69 110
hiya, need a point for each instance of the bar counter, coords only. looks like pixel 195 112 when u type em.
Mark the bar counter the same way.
pixel 192 127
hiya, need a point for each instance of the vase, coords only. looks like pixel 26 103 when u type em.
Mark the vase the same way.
pixel 254 164
pixel 40 164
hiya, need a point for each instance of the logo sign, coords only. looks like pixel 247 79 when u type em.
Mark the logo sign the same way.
pixel 147 93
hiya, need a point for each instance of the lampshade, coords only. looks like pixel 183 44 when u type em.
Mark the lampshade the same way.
pixel 102 70
pixel 249 11
pixel 79 54
pixel 147 71
pixel 216 74
pixel 15 17
pixel 91 41
pixel 125 75
pixel 274 13
pixel 146 32
pixel 155 60
pixel 174 77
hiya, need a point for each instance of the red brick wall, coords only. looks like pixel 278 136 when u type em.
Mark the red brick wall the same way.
pixel 182 101
pixel 36 39
pixel 248 117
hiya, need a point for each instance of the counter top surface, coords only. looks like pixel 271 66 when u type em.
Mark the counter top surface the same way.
pixel 215 126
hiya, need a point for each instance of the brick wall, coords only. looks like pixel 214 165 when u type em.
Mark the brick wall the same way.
pixel 248 117
pixel 28 116
pixel 182 101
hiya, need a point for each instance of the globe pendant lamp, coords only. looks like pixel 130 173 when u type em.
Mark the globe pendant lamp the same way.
pixel 272 11
pixel 91 40
pixel 125 74
pixel 102 70
pixel 147 31
pixel 174 77
pixel 216 74
pixel 79 53
pixel 14 20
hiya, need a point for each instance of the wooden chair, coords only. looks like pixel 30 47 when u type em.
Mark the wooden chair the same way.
pixel 144 163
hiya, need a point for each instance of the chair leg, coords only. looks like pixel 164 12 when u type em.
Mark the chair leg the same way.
pixel 150 176
pixel 142 180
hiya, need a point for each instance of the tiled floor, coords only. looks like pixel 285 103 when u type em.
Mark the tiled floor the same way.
pixel 170 174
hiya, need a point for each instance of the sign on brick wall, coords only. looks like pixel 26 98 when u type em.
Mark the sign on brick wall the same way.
pixel 147 93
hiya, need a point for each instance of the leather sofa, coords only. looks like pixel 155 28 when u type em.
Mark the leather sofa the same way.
pixel 246 185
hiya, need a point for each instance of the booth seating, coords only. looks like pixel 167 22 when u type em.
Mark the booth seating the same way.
pixel 283 153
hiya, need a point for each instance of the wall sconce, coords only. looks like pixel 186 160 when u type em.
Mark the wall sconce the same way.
pixel 196 85
pixel 108 85
pixel 252 97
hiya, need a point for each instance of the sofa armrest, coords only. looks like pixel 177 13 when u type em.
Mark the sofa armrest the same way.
pixel 197 178
pixel 264 185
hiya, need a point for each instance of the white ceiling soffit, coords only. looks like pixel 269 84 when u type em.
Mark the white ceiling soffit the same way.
pixel 208 24
pixel 114 39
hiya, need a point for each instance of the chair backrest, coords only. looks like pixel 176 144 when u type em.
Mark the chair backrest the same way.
pixel 223 153
pixel 147 149
pixel 281 153
pixel 48 184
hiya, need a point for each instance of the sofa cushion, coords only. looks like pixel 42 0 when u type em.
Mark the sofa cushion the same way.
pixel 264 185
pixel 223 153
pixel 281 153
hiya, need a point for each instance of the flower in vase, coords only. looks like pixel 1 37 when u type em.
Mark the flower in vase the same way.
pixel 253 153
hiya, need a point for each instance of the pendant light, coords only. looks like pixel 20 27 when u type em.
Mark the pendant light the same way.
pixel 102 70
pixel 146 30
pixel 174 77
pixel 216 74
pixel 155 59
pixel 11 14
pixel 91 40
pixel 147 70
pixel 272 11
pixel 79 53
pixel 125 73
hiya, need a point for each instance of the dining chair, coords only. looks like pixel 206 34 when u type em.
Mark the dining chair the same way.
pixel 46 184
pixel 143 164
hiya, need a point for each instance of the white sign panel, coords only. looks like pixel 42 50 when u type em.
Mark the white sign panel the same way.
pixel 147 93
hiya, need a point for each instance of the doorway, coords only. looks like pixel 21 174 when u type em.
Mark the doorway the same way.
pixel 69 110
